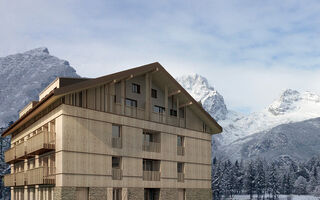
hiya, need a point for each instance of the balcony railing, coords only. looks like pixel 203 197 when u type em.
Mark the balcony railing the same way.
pixel 172 120
pixel 116 142
pixel 151 146
pixel 151 175
pixel 10 155
pixel 134 112
pixel 20 150
pixel 116 174
pixel 41 142
pixel 158 117
pixel 9 180
pixel 21 178
pixel 180 177
pixel 180 150
pixel 41 175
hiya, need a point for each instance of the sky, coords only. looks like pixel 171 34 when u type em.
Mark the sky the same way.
pixel 249 50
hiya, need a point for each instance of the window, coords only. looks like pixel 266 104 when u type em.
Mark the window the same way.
pixel 116 133
pixel 173 112
pixel 180 141
pixel 131 102
pixel 116 194
pixel 148 137
pixel 154 93
pixel 116 162
pixel 135 88
pixel 158 109
pixel 180 167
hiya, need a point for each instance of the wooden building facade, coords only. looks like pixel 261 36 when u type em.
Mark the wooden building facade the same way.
pixel 135 134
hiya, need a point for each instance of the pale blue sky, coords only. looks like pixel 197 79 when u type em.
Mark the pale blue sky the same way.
pixel 249 50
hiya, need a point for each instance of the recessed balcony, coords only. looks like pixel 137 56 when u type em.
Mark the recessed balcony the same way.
pixel 10 155
pixel 116 174
pixel 41 142
pixel 41 175
pixel 180 177
pixel 151 146
pixel 151 175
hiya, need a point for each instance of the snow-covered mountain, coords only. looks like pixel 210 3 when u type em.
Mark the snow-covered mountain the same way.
pixel 291 106
pixel 23 76
pixel 298 141
pixel 210 99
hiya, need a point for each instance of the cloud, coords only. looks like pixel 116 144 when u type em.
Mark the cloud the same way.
pixel 249 50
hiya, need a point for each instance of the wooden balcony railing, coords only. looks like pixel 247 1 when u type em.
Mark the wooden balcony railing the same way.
pixel 117 142
pixel 158 117
pixel 180 177
pixel 9 180
pixel 41 175
pixel 172 120
pixel 116 174
pixel 134 112
pixel 42 141
pixel 151 175
pixel 180 150
pixel 20 150
pixel 21 178
pixel 151 146
pixel 10 155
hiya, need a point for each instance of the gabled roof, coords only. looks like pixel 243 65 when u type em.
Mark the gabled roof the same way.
pixel 85 84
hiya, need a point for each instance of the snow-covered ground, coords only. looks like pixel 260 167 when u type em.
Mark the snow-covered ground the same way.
pixel 281 197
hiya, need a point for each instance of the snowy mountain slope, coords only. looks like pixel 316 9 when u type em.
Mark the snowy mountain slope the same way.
pixel 299 141
pixel 23 76
pixel 291 106
pixel 200 89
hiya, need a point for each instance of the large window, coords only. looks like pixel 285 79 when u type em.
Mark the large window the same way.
pixel 158 109
pixel 116 131
pixel 180 141
pixel 135 88
pixel 131 102
pixel 116 194
pixel 151 165
pixel 180 167
pixel 116 136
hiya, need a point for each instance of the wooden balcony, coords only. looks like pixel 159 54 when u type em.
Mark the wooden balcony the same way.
pixel 134 112
pixel 151 146
pixel 41 175
pixel 180 177
pixel 20 150
pixel 41 142
pixel 116 174
pixel 172 120
pixel 20 178
pixel 151 175
pixel 9 180
pixel 180 150
pixel 117 142
pixel 158 117
pixel 10 155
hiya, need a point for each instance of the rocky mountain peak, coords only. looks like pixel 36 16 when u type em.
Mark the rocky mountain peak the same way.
pixel 210 99
pixel 38 51
pixel 24 75
pixel 285 103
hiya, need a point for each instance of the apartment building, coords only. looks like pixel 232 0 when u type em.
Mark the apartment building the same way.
pixel 132 135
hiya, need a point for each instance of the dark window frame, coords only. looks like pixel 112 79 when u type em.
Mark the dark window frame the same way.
pixel 136 88
pixel 133 102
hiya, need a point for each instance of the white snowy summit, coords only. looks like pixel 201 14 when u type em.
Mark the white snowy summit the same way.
pixel 210 99
pixel 24 75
